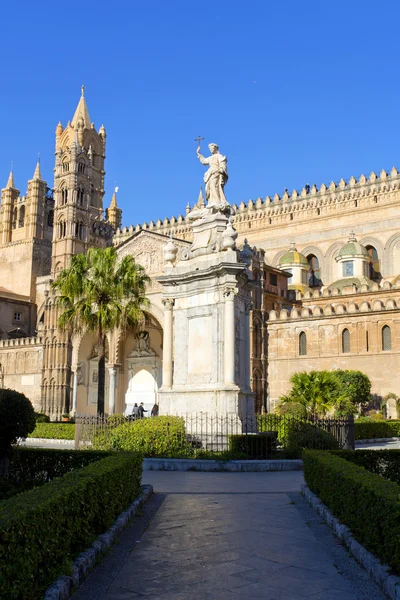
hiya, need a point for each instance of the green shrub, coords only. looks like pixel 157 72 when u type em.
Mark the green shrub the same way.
pixel 367 503
pixel 41 418
pixel 294 409
pixel 355 385
pixel 41 531
pixel 54 431
pixel 17 418
pixel 382 462
pixel 297 435
pixel 156 437
pixel 257 446
pixel 367 429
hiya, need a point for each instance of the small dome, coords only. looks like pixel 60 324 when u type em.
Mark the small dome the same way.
pixel 347 281
pixel 353 248
pixel 293 257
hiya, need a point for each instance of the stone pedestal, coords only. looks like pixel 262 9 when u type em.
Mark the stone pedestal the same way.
pixel 207 299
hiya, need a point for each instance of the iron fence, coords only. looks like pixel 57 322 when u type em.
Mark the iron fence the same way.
pixel 203 435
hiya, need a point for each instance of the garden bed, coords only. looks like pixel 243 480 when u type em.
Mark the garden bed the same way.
pixel 54 431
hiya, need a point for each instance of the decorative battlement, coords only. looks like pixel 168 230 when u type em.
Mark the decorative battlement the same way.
pixel 27 341
pixel 310 202
pixel 347 306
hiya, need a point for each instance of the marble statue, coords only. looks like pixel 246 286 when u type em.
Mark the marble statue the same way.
pixel 215 177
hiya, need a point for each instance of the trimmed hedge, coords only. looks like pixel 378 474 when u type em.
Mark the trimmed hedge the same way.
pixel 365 430
pixel 162 437
pixel 54 431
pixel 38 465
pixel 295 434
pixel 41 531
pixel 257 446
pixel 366 502
pixel 382 462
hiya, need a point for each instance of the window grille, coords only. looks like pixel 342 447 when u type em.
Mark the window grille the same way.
pixel 302 344
pixel 348 268
pixel 386 338
pixel 345 341
pixel 17 316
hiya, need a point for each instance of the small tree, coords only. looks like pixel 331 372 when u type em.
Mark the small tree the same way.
pixel 99 293
pixel 317 391
pixel 355 386
pixel 17 419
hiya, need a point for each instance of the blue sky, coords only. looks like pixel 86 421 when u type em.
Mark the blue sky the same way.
pixel 293 92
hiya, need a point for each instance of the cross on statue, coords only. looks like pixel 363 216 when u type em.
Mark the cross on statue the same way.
pixel 198 140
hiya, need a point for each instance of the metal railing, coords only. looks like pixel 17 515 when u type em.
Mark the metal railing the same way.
pixel 203 435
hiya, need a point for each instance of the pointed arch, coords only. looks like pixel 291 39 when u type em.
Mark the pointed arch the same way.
pixel 330 263
pixel 21 220
pixel 391 257
pixel 277 256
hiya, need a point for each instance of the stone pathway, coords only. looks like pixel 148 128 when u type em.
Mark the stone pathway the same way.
pixel 228 536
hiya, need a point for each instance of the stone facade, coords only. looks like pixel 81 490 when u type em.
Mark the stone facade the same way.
pixel 39 233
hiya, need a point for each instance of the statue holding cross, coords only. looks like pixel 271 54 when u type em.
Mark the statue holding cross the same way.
pixel 215 177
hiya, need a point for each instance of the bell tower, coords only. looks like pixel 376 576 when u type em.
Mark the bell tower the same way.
pixel 78 188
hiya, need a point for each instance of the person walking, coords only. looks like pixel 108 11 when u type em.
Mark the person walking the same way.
pixel 135 412
pixel 141 410
pixel 154 410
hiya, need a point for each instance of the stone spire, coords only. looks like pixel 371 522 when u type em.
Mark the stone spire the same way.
pixel 113 213
pixel 37 174
pixel 81 112
pixel 10 182
pixel 200 200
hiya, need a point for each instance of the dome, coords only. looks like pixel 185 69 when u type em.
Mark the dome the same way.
pixel 353 248
pixel 293 257
pixel 348 281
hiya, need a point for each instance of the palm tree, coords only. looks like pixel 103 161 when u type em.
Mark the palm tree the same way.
pixel 317 391
pixel 99 293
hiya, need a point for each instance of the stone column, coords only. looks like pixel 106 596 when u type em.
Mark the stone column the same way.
pixel 75 392
pixel 111 398
pixel 167 342
pixel 229 336
pixel 248 310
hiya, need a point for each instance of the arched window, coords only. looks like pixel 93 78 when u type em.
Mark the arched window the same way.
pixel 65 167
pixel 64 195
pixel 80 196
pixel 50 218
pixel 386 338
pixel 302 344
pixel 374 265
pixel 14 217
pixel 257 339
pixel 81 167
pixel 21 221
pixel 62 227
pixel 314 274
pixel 345 341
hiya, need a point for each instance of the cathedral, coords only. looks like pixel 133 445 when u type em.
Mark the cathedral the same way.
pixel 324 264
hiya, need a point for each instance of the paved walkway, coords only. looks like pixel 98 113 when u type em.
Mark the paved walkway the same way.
pixel 228 536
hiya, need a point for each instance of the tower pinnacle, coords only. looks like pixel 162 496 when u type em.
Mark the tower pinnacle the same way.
pixel 10 182
pixel 81 113
pixel 37 174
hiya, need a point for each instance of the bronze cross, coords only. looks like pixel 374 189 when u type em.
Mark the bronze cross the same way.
pixel 198 140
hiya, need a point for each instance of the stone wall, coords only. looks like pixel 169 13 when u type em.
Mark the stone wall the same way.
pixel 21 361
pixel 325 328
